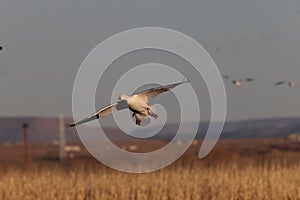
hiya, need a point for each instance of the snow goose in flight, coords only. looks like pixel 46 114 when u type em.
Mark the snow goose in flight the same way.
pixel 238 82
pixel 137 103
pixel 289 83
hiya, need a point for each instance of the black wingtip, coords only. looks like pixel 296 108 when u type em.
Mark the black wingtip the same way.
pixel 70 125
pixel 279 83
pixel 250 79
pixel 225 76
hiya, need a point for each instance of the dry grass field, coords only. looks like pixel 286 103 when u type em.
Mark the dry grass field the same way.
pixel 227 173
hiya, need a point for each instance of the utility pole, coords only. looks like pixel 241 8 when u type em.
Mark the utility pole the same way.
pixel 62 138
pixel 25 143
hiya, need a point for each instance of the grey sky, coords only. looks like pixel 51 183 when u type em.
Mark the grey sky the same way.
pixel 46 41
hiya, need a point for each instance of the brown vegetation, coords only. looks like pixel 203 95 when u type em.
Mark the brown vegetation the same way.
pixel 227 173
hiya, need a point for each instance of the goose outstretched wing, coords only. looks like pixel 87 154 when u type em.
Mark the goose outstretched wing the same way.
pixel 153 92
pixel 103 112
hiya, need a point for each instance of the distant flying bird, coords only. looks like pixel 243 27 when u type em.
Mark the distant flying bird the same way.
pixel 238 82
pixel 137 103
pixel 289 83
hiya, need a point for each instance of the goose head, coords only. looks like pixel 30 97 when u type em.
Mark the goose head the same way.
pixel 123 97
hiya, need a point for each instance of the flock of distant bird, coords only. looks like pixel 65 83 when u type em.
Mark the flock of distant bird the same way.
pixel 238 82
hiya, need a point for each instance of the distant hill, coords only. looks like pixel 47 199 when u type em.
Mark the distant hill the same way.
pixel 45 130
pixel 246 129
pixel 261 128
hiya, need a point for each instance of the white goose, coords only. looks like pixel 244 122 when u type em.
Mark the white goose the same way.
pixel 137 103
pixel 289 83
pixel 238 82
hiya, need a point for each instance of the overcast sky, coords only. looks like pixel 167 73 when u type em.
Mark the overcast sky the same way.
pixel 46 41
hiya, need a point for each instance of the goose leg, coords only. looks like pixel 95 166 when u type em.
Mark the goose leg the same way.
pixel 137 119
pixel 152 113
